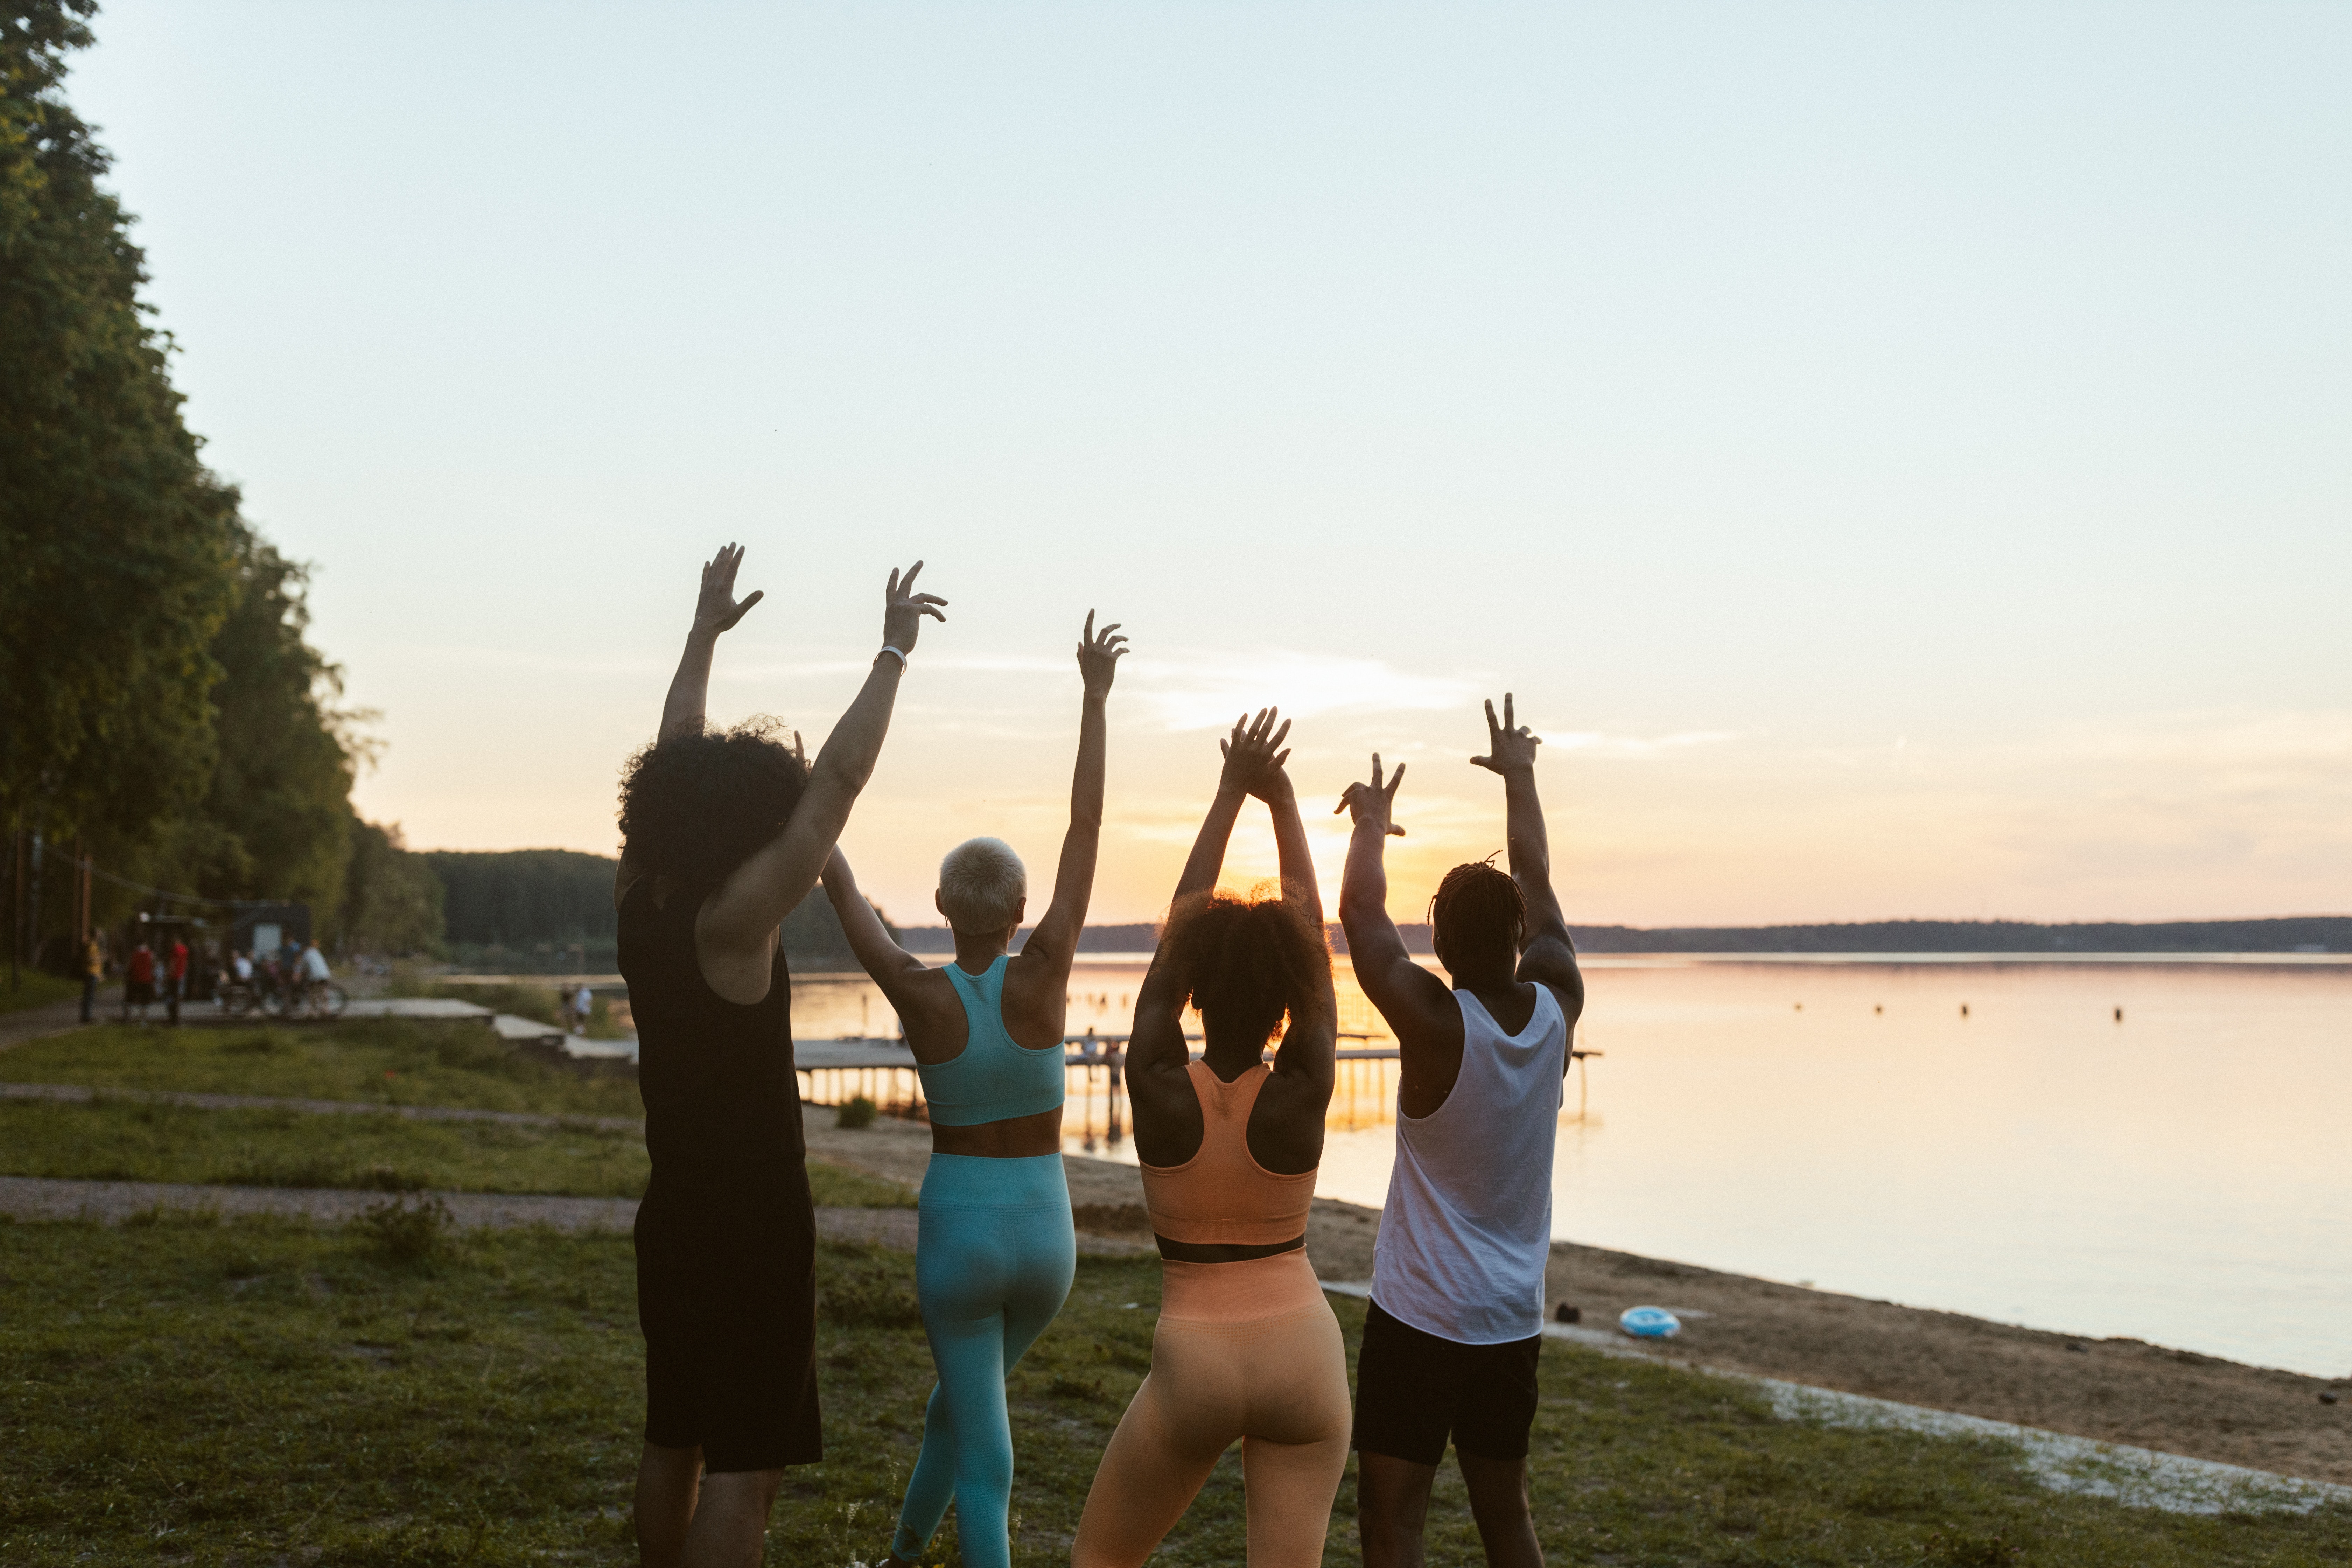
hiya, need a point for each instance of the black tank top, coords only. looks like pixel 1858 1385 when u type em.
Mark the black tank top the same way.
pixel 717 1076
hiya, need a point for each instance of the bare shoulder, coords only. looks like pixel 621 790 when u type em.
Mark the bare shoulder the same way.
pixel 1036 1001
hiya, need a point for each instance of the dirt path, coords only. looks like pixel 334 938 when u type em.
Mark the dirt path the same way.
pixel 76 1093
pixel 52 1017
pixel 112 1202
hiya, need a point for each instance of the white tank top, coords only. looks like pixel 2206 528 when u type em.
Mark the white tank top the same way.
pixel 1467 1227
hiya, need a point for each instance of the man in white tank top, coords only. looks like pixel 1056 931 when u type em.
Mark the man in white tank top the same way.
pixel 1456 1319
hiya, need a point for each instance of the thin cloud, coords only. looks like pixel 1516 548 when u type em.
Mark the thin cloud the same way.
pixel 1206 690
pixel 1635 748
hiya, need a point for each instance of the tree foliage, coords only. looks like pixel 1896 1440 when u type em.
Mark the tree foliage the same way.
pixel 160 701
pixel 391 900
pixel 115 542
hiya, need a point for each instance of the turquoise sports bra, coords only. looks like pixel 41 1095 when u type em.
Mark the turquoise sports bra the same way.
pixel 991 1079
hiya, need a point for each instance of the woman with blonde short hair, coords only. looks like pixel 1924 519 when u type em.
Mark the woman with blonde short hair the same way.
pixel 995 1250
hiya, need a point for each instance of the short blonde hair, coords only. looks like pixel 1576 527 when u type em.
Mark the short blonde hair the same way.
pixel 982 883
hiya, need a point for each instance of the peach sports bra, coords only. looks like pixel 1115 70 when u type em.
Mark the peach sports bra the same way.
pixel 1221 1193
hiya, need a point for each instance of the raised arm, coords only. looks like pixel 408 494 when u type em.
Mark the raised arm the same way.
pixel 1248 751
pixel 716 610
pixel 890 965
pixel 1054 939
pixel 1157 1054
pixel 755 898
pixel 1547 953
pixel 1414 1001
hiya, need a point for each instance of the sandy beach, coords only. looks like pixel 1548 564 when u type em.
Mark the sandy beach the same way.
pixel 2118 1391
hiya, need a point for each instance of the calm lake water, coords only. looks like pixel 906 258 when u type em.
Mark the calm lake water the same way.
pixel 2183 1176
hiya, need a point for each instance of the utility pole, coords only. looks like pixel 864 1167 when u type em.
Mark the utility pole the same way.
pixel 33 923
pixel 15 906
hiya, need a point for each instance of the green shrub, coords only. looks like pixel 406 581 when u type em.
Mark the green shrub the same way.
pixel 859 1112
pixel 869 1295
pixel 404 1229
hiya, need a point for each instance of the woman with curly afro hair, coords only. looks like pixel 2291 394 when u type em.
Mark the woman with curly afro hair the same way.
pixel 1246 1347
pixel 723 834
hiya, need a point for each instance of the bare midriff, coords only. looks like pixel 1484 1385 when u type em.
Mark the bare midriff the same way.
pixel 1016 1138
pixel 1225 1251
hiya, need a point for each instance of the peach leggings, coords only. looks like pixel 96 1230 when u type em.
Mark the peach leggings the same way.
pixel 1246 1351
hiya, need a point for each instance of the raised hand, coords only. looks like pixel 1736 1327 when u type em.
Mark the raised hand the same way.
pixel 1371 803
pixel 1253 756
pixel 1510 745
pixel 717 609
pixel 903 610
pixel 1098 654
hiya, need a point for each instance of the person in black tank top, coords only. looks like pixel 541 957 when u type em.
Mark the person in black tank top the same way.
pixel 724 833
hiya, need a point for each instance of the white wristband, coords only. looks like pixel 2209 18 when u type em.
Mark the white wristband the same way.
pixel 894 653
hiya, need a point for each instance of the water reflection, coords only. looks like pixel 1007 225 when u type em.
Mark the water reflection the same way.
pixel 2148 1149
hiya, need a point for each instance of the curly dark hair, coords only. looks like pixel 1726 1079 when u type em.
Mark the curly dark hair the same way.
pixel 695 805
pixel 1247 962
pixel 1479 909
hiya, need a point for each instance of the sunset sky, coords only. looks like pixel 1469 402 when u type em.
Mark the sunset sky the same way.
pixel 1900 456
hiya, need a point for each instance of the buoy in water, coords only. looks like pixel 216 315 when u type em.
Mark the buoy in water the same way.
pixel 1649 1322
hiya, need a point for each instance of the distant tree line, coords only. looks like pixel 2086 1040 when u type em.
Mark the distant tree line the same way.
pixel 2316 933
pixel 526 909
pixel 2307 933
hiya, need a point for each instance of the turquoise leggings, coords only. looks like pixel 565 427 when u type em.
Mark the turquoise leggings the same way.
pixel 993 1259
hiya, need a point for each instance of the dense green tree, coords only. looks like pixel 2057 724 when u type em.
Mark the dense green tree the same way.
pixel 160 703
pixel 115 542
pixel 274 818
pixel 391 900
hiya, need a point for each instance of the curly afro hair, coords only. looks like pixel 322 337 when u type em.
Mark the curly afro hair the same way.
pixel 1479 910
pixel 1246 963
pixel 695 805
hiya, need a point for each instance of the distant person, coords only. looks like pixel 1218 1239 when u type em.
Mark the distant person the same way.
pixel 582 1005
pixel 176 979
pixel 1456 1316
pixel 139 981
pixel 240 964
pixel 315 974
pixel 724 832
pixel 93 970
pixel 994 1250
pixel 1246 1347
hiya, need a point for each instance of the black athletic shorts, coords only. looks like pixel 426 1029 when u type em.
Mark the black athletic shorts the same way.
pixel 727 1299
pixel 1414 1390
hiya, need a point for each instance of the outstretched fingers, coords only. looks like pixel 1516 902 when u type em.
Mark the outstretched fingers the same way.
pixel 740 610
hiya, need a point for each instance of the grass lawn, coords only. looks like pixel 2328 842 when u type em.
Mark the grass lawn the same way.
pixel 184 1392
pixel 35 989
pixel 390 1062
pixel 125 1140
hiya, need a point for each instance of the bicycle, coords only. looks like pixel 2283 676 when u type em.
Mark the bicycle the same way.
pixel 316 999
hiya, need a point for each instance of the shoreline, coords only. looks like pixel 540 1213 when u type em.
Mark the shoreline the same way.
pixel 2119 1391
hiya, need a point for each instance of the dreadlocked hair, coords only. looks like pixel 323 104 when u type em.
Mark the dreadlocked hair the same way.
pixel 696 803
pixel 1247 962
pixel 1479 909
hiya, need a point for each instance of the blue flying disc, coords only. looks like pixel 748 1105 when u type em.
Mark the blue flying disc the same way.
pixel 1649 1322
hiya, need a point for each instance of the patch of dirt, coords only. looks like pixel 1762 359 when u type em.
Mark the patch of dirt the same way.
pixel 2117 1391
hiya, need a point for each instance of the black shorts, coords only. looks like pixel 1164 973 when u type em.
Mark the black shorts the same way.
pixel 726 1299
pixel 1414 1390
